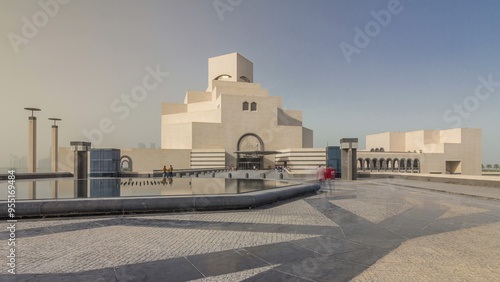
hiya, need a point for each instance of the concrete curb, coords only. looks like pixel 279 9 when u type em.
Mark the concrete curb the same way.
pixel 37 175
pixel 437 179
pixel 92 206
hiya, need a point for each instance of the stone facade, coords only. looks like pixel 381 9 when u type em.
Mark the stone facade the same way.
pixel 456 151
pixel 234 114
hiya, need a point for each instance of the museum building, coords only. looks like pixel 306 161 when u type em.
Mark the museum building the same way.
pixel 236 123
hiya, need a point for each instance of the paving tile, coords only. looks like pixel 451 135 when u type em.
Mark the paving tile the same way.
pixel 236 276
pixel 273 275
pixel 328 245
pixel 322 268
pixel 225 262
pixel 356 230
pixel 280 252
pixel 177 269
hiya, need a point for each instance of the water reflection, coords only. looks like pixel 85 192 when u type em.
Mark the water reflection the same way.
pixel 128 187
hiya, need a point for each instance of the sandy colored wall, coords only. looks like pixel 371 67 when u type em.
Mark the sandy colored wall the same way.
pixel 66 160
pixel 147 160
pixel 472 154
pixel 176 136
pixel 307 138
pixel 197 96
pixel 380 140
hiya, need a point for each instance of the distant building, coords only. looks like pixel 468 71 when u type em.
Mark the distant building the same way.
pixel 456 151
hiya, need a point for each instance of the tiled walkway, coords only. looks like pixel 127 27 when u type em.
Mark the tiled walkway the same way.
pixel 367 230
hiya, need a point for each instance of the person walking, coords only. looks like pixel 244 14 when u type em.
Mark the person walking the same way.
pixel 171 171
pixel 164 171
pixel 329 176
pixel 320 175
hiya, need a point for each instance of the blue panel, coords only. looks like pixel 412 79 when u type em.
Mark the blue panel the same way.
pixel 333 154
pixel 105 161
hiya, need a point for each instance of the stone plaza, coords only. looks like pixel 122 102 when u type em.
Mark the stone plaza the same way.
pixel 367 230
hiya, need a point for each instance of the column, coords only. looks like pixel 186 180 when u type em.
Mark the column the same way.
pixel 55 145
pixel 54 148
pixel 32 140
pixel 32 145
pixel 349 148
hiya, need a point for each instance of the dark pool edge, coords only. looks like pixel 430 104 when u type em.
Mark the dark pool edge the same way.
pixel 96 206
pixel 36 175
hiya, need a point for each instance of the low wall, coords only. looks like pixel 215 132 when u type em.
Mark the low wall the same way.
pixel 37 175
pixel 91 206
pixel 455 179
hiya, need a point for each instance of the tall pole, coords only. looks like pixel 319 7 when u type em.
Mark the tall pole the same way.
pixel 32 140
pixel 55 154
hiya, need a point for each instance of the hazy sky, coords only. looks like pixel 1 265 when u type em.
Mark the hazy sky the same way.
pixel 353 67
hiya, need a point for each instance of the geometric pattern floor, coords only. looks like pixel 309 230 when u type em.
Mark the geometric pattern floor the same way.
pixel 294 213
pixel 374 209
pixel 458 210
pixel 353 230
pixel 446 255
pixel 122 245
pixel 237 276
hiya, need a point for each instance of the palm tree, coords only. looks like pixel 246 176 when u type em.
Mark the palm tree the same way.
pixel 489 166
pixel 496 166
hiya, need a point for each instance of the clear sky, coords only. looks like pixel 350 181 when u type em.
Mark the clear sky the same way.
pixel 353 67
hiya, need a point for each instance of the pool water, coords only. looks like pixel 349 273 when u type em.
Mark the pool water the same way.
pixel 133 187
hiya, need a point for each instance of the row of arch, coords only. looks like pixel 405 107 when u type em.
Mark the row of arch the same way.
pixel 377 150
pixel 389 164
pixel 253 106
pixel 226 76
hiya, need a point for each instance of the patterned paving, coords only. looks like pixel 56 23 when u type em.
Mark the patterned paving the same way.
pixel 54 222
pixel 353 230
pixel 374 209
pixel 460 210
pixel 236 276
pixel 450 256
pixel 121 245
pixel 294 213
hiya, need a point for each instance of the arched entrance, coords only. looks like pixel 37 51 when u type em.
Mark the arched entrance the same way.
pixel 250 152
pixel 126 163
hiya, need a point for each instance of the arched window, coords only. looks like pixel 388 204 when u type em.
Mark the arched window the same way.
pixel 253 106
pixel 245 106
pixel 222 76
pixel 244 78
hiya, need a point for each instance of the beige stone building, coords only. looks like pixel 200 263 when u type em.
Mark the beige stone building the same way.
pixel 234 122
pixel 425 151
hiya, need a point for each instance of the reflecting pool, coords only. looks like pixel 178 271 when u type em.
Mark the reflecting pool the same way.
pixel 133 187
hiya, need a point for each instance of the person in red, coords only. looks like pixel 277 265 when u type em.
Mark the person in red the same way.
pixel 329 175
